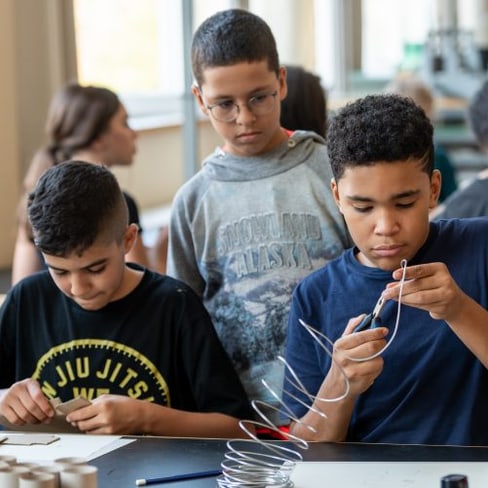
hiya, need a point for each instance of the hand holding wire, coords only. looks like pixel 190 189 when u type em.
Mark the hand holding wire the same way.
pixel 349 347
pixel 257 462
pixel 429 287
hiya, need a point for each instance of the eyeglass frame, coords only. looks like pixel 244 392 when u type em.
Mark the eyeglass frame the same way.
pixel 237 107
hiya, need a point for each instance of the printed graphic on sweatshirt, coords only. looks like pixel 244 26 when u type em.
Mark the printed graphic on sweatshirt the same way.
pixel 264 257
pixel 269 241
pixel 93 367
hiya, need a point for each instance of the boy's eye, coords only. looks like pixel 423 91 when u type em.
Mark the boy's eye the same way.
pixel 406 205
pixel 363 209
pixel 97 270
pixel 258 99
pixel 227 105
pixel 58 272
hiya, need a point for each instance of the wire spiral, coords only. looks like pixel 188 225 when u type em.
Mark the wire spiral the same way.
pixel 256 462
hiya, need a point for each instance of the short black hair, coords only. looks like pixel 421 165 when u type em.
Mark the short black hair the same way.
pixel 305 105
pixel 477 115
pixel 73 205
pixel 230 37
pixel 377 128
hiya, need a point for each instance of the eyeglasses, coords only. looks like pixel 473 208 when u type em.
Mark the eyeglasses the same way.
pixel 229 111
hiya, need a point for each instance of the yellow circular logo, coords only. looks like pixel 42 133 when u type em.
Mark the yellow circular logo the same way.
pixel 93 367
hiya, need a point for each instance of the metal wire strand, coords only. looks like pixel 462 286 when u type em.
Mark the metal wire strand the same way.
pixel 257 462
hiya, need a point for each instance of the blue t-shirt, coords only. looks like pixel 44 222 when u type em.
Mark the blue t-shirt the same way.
pixel 432 389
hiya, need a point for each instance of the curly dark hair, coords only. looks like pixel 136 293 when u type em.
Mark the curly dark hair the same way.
pixel 477 117
pixel 377 128
pixel 230 37
pixel 75 204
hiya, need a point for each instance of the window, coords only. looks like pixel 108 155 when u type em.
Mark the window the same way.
pixel 445 42
pixel 136 49
pixel 389 33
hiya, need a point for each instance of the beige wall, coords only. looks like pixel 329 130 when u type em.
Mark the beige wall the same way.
pixel 157 171
pixel 9 142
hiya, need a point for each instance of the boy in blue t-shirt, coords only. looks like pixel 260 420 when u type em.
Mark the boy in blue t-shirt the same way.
pixel 430 386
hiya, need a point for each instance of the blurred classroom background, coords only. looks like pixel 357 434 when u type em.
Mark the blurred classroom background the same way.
pixel 141 51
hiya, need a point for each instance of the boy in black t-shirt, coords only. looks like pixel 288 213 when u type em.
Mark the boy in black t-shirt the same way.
pixel 140 346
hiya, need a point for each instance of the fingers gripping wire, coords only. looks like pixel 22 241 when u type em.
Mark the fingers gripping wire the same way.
pixel 397 320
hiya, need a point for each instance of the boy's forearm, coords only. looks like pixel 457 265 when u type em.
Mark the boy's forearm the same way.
pixel 159 420
pixel 332 428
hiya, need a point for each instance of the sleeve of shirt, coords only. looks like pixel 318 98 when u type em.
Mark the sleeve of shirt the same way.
pixel 182 259
pixel 303 374
pixel 215 383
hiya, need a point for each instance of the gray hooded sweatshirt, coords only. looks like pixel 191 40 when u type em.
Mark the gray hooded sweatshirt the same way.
pixel 244 231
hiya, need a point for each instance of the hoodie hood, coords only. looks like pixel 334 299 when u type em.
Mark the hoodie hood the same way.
pixel 227 167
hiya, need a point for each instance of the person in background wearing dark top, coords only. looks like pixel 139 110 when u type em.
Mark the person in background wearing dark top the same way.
pixel 88 123
pixel 472 199
pixel 305 105
pixel 410 85
pixel 435 368
pixel 139 345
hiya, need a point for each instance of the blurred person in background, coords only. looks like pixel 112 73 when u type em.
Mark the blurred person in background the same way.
pixel 87 123
pixel 305 105
pixel 472 199
pixel 410 85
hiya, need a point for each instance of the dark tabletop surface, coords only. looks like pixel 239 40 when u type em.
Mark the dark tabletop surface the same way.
pixel 151 457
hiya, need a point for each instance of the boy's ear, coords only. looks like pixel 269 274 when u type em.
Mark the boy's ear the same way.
pixel 130 237
pixel 198 95
pixel 335 193
pixel 283 85
pixel 435 188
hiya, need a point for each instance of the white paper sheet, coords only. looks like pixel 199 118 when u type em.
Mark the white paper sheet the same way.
pixel 386 474
pixel 78 445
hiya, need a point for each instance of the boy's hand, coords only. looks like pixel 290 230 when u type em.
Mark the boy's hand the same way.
pixel 108 414
pixel 352 346
pixel 429 287
pixel 24 403
pixel 347 364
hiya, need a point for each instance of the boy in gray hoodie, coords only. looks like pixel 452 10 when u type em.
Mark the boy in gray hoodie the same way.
pixel 259 216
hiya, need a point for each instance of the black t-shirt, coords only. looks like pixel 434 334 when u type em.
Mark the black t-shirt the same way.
pixel 157 343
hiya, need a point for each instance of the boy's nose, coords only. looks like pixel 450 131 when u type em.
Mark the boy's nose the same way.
pixel 79 286
pixel 244 114
pixel 386 223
